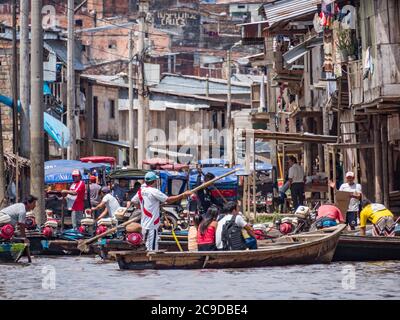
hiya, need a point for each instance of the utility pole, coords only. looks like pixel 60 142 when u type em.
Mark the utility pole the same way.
pixel 230 142
pixel 2 169
pixel 131 116
pixel 143 101
pixel 24 87
pixel 37 133
pixel 14 86
pixel 24 78
pixel 71 93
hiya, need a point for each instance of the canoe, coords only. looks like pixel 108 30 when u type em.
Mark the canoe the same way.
pixel 11 252
pixel 289 250
pixel 40 245
pixel 104 246
pixel 367 248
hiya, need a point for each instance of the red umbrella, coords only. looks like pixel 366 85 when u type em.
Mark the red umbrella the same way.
pixel 157 161
pixel 99 159
pixel 175 166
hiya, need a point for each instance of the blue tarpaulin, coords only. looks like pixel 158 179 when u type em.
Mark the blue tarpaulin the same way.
pixel 168 176
pixel 213 162
pixel 60 171
pixel 228 182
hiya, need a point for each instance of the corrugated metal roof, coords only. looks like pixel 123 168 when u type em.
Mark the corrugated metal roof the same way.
pixel 301 49
pixel 288 9
pixel 59 47
pixel 197 86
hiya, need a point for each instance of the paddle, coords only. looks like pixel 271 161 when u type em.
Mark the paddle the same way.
pixel 173 233
pixel 83 244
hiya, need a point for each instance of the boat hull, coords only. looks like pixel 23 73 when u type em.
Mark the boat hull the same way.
pixel 306 252
pixel 367 248
pixel 11 252
pixel 40 245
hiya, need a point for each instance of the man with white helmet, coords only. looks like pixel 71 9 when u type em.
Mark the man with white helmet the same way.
pixel 77 194
pixel 355 197
pixel 149 199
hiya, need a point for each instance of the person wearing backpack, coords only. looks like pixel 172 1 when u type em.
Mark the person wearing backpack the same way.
pixel 229 229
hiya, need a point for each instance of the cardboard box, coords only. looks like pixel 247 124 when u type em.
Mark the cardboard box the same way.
pixel 342 199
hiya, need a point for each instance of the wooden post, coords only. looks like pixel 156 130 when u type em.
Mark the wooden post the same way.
pixel 248 197
pixel 254 195
pixel 334 171
pixel 377 160
pixel 391 169
pixel 385 170
pixel 244 196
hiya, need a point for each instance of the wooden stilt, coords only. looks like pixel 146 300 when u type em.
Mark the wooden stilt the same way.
pixel 377 160
pixel 385 170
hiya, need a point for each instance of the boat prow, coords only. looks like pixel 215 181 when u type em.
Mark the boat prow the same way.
pixel 312 248
pixel 11 252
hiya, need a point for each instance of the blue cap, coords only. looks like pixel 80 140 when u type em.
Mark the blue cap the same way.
pixel 150 176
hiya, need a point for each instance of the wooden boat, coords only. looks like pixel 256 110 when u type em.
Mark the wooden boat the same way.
pixel 11 252
pixel 40 245
pixel 296 249
pixel 104 246
pixel 367 248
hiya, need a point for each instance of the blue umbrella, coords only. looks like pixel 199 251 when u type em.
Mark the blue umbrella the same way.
pixel 60 171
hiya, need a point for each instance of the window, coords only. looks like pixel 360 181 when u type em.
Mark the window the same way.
pixel 112 44
pixel 223 120
pixel 78 23
pixel 241 6
pixel 112 109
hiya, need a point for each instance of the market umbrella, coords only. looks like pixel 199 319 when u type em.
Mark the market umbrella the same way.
pixel 175 166
pixel 157 161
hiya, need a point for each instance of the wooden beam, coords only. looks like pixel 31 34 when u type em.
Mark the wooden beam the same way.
pixel 377 160
pixel 385 170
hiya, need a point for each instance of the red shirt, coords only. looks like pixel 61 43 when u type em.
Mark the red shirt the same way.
pixel 330 211
pixel 80 189
pixel 208 237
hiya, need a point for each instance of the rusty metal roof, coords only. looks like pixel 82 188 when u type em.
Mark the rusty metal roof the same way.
pixel 287 9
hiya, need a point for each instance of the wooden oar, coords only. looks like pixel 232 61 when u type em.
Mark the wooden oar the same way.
pixel 173 233
pixel 83 244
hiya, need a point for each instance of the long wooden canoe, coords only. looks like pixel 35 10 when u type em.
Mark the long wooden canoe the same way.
pixel 367 248
pixel 104 246
pixel 40 245
pixel 11 252
pixel 296 249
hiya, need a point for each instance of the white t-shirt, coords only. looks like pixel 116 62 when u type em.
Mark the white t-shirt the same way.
pixel 112 204
pixel 150 199
pixel 17 213
pixel 296 173
pixel 218 234
pixel 355 187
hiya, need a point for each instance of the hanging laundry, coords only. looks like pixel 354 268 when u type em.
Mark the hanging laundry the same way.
pixel 368 65
pixel 328 51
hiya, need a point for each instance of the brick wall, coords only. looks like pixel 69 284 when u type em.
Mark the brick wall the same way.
pixel 5 89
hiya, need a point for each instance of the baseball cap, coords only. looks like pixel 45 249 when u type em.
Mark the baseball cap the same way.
pixel 76 172
pixel 93 179
pixel 350 174
pixel 105 189
pixel 150 176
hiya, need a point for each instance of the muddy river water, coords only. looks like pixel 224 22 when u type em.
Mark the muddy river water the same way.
pixel 89 278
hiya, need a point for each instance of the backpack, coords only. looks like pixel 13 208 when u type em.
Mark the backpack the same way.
pixel 232 238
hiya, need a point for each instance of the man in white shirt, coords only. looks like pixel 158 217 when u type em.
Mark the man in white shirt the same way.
pixel 354 204
pixel 149 199
pixel 296 182
pixel 17 213
pixel 108 202
pixel 231 209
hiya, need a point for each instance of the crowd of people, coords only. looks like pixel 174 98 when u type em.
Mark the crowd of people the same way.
pixel 218 225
